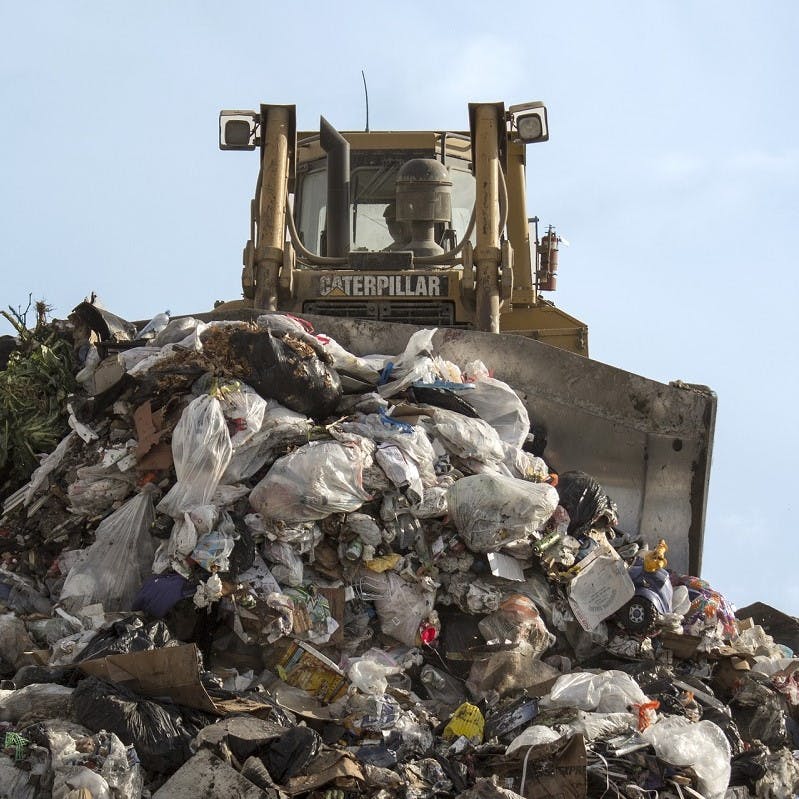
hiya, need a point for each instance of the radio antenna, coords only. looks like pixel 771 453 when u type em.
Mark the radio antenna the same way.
pixel 366 95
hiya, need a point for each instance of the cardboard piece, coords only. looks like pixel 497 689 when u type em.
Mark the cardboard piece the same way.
pixel 151 454
pixel 599 589
pixel 683 646
pixel 302 666
pixel 174 672
pixel 336 600
pixel 344 771
pixel 554 771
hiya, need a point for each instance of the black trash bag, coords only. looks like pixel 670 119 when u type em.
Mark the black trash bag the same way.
pixel 727 726
pixel 443 397
pixel 161 734
pixel 761 713
pixel 291 753
pixel 130 634
pixel 284 368
pixel 749 767
pixel 586 502
pixel 30 675
pixel 243 555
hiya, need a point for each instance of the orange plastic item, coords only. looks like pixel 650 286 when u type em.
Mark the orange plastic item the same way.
pixel 646 714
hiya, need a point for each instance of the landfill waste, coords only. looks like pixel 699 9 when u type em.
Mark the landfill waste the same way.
pixel 247 562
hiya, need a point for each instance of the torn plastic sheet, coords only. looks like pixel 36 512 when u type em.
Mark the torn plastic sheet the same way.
pixel 119 559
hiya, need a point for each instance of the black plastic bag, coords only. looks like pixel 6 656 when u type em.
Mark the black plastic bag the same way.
pixel 160 733
pixel 130 634
pixel 288 370
pixel 586 502
pixel 243 555
pixel 291 753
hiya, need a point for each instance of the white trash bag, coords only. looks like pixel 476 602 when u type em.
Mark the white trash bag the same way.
pixel 201 450
pixel 321 478
pixel 490 510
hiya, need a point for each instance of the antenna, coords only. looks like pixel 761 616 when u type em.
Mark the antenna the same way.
pixel 366 95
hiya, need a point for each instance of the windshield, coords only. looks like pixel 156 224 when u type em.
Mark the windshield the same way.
pixel 372 204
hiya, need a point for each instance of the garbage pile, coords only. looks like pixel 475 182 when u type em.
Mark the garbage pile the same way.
pixel 259 565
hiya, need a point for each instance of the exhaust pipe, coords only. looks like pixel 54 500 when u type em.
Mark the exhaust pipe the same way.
pixel 338 189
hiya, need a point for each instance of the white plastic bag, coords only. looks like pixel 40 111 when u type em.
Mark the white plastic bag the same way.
pixel 415 364
pixel 400 469
pixel 490 510
pixel 97 489
pixel 500 406
pixel 244 409
pixel 118 561
pixel 607 692
pixel 347 363
pixel 401 605
pixel 411 439
pixel 201 450
pixel 279 427
pixel 469 439
pixel 701 745
pixel 321 478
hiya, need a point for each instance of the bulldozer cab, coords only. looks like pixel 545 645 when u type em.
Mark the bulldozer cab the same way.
pixel 419 227
pixel 373 222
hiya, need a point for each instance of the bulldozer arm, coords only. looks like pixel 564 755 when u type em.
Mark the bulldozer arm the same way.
pixel 648 444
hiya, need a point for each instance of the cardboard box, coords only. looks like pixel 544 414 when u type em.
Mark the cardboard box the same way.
pixel 302 666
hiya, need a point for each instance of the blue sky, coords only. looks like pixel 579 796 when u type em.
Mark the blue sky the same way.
pixel 672 168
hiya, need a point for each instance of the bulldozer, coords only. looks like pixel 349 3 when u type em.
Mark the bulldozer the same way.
pixel 418 227
pixel 371 235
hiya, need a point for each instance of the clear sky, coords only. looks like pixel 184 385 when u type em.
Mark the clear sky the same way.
pixel 672 168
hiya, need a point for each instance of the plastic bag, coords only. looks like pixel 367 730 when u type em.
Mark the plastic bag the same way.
pixel 517 619
pixel 401 605
pixel 500 406
pixel 468 439
pixel 369 674
pixel 700 745
pixel 312 482
pixel 508 672
pixel 118 561
pixel 127 635
pixel 491 510
pixel 586 502
pixel 602 725
pixel 161 734
pixel 244 409
pixel 21 596
pixel 524 465
pixel 99 763
pixel 288 369
pixel 201 450
pixel 97 489
pixel 346 363
pixel 401 470
pixel 412 440
pixel 46 700
pixel 281 429
pixel 415 364
pixel 212 551
pixel 606 692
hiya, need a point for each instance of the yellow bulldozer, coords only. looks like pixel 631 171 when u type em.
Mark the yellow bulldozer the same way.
pixel 419 227
pixel 372 235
